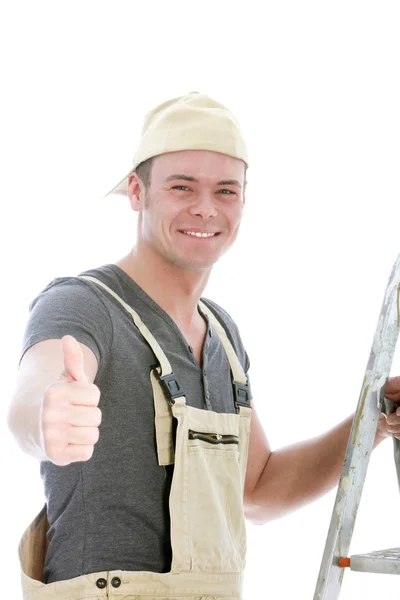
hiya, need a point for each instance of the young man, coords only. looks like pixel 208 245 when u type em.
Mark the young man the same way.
pixel 133 393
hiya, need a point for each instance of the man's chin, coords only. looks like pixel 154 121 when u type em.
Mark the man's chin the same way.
pixel 195 265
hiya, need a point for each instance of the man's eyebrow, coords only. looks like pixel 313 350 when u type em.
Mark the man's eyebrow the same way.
pixel 190 178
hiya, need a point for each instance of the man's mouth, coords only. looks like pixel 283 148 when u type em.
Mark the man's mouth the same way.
pixel 199 234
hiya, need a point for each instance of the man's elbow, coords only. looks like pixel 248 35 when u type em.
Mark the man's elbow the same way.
pixel 252 512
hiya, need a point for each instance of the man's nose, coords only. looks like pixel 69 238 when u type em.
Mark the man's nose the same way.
pixel 204 206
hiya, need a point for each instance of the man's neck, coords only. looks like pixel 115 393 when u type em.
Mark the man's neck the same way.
pixel 177 291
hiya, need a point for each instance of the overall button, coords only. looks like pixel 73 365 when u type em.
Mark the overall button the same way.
pixel 101 583
pixel 115 582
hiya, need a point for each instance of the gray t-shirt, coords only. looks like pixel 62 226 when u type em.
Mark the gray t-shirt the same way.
pixel 111 512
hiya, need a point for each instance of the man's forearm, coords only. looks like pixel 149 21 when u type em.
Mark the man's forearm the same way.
pixel 299 474
pixel 24 423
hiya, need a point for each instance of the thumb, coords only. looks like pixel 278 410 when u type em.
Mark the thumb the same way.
pixel 73 359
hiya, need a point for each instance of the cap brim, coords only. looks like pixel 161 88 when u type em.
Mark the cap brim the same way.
pixel 121 188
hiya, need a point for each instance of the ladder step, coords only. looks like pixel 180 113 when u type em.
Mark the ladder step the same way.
pixel 381 561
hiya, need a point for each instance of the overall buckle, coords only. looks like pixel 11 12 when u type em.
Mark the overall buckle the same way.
pixel 241 395
pixel 170 385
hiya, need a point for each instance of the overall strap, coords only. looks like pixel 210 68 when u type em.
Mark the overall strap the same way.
pixel 166 375
pixel 240 387
pixel 162 380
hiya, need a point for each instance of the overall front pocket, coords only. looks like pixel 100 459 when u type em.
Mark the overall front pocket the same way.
pixel 217 537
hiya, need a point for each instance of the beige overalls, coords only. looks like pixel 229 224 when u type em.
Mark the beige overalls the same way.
pixel 208 535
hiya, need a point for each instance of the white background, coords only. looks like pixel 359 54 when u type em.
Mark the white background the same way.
pixel 316 87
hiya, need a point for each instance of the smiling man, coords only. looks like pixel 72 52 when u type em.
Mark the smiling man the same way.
pixel 192 213
pixel 133 392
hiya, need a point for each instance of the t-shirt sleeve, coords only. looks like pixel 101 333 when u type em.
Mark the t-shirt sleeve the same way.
pixel 69 306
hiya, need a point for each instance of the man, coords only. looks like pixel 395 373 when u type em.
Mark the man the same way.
pixel 150 455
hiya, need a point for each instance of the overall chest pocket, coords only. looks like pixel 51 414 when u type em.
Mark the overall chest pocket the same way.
pixel 217 539
pixel 215 439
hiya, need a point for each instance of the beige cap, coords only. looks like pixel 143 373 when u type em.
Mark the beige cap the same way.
pixel 191 122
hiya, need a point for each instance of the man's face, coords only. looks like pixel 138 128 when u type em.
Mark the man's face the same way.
pixel 193 192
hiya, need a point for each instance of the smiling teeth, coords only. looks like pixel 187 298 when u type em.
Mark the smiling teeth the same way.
pixel 199 234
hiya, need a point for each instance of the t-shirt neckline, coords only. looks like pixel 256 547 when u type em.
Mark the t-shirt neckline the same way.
pixel 139 291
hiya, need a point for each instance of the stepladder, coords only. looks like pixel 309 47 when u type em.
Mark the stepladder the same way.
pixel 371 403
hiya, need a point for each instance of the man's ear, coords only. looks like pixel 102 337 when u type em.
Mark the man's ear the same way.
pixel 136 193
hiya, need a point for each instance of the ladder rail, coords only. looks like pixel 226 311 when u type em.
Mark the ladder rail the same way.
pixel 360 442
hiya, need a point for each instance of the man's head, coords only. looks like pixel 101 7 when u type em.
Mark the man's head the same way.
pixel 190 204
pixel 199 139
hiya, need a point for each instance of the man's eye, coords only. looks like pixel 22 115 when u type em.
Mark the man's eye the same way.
pixel 185 188
pixel 179 186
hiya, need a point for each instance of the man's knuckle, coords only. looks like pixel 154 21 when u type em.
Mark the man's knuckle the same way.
pixel 87 452
pixel 52 395
pixel 95 393
pixel 99 416
pixel 93 436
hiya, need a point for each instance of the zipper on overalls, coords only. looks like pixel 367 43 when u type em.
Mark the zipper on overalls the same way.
pixel 213 438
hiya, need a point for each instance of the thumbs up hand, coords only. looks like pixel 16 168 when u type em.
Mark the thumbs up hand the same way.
pixel 70 415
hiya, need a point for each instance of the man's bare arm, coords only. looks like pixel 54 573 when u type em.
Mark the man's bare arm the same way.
pixel 298 474
pixel 284 480
pixel 39 368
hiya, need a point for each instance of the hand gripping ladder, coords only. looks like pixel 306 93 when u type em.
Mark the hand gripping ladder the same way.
pixel 371 403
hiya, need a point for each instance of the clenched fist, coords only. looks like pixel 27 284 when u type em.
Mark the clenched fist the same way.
pixel 70 415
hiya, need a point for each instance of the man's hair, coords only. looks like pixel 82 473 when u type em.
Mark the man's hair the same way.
pixel 143 170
